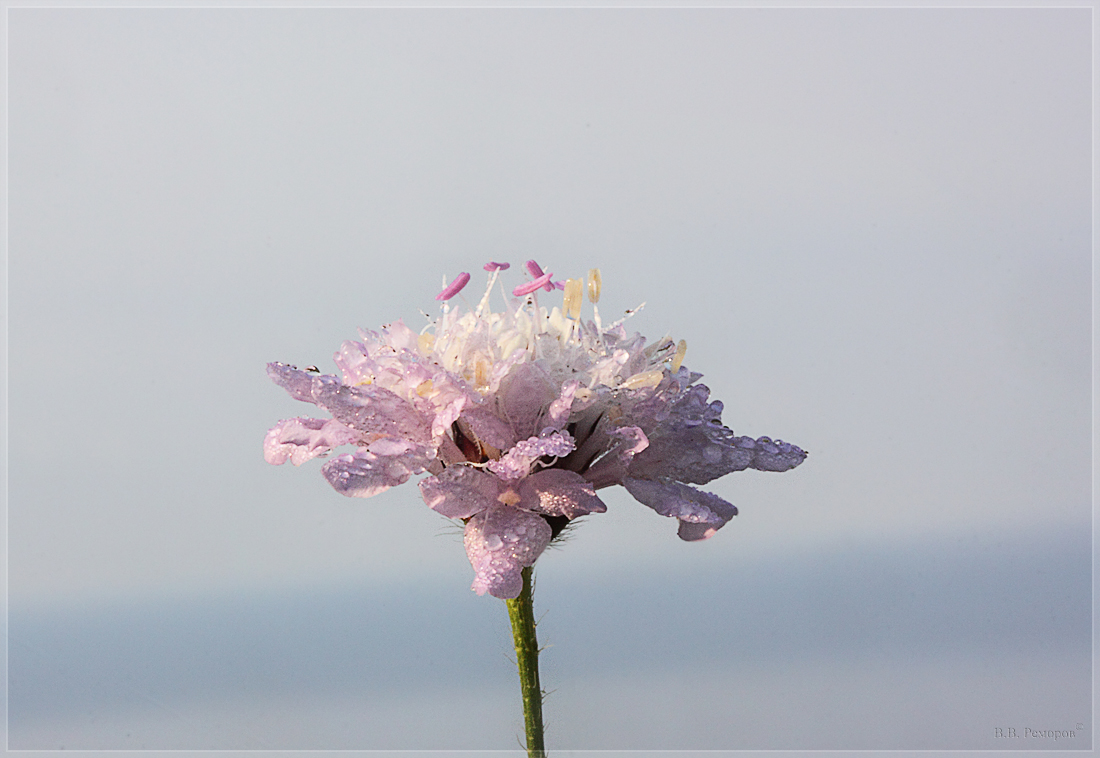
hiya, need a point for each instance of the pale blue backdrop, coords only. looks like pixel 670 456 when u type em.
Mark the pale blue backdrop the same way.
pixel 872 227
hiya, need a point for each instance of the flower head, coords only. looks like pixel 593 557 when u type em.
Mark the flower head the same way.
pixel 518 417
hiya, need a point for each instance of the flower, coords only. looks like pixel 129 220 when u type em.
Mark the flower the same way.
pixel 518 417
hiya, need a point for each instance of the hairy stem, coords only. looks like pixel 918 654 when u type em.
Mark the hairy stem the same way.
pixel 522 614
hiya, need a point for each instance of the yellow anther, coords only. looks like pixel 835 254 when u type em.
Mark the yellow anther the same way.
pixel 594 284
pixel 678 358
pixel 644 379
pixel 574 295
pixel 425 342
pixel 425 388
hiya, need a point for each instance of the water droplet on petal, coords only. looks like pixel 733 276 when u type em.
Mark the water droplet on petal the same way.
pixel 493 542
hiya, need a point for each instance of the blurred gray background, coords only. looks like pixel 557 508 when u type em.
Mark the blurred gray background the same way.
pixel 871 226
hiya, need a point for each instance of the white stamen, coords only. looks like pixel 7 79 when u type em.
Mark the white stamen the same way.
pixel 644 379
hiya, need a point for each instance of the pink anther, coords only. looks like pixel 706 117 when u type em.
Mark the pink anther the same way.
pixel 536 271
pixel 494 266
pixel 531 286
pixel 454 287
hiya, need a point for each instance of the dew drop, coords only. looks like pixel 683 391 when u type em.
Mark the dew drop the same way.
pixel 493 542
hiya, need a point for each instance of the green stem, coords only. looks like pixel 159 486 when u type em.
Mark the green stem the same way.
pixel 521 611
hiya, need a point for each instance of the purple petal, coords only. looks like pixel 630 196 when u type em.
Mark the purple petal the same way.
pixel 300 439
pixel 557 492
pixel 701 514
pixel 690 443
pixel 295 381
pixel 703 453
pixel 371 409
pixel 500 542
pixel 518 461
pixel 777 455
pixel 695 454
pixel 364 474
pixel 696 532
pixel 461 491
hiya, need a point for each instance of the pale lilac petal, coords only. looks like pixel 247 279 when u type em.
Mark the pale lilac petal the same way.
pixel 631 441
pixel 371 409
pixel 557 416
pixel 446 414
pixel 353 361
pixel 388 446
pixel 613 467
pixel 487 427
pixel 517 462
pixel 494 266
pixel 399 336
pixel 300 439
pixel 700 513
pixel 364 474
pixel 390 359
pixel 454 287
pixel 557 492
pixel 502 369
pixel 461 491
pixel 523 396
pixel 500 542
pixel 292 379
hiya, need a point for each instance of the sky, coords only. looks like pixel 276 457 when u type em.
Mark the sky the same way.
pixel 871 226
